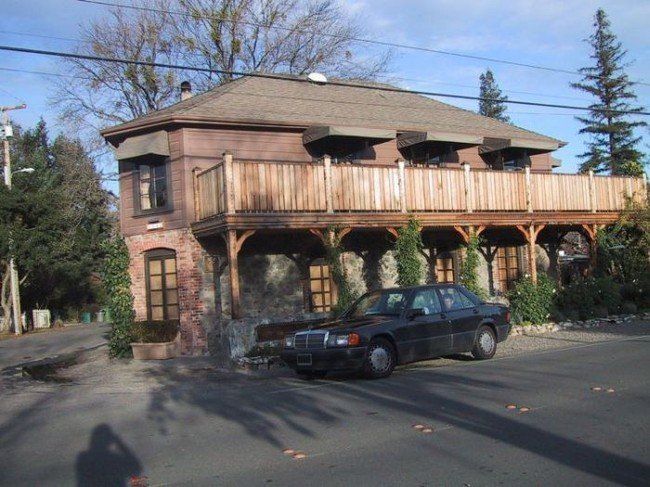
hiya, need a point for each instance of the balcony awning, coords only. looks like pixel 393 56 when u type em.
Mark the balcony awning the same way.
pixel 155 143
pixel 375 136
pixel 531 146
pixel 408 139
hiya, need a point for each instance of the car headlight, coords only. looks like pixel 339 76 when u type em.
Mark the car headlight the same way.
pixel 347 340
pixel 288 341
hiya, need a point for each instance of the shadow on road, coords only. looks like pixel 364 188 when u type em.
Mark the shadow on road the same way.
pixel 107 461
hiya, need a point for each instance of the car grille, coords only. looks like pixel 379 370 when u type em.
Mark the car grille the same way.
pixel 310 339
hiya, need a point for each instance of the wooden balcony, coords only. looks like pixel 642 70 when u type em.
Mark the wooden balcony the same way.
pixel 249 195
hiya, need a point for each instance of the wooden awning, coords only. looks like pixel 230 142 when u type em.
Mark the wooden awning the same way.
pixel 409 139
pixel 374 136
pixel 155 143
pixel 530 146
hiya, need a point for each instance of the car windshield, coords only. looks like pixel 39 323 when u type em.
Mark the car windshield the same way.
pixel 386 302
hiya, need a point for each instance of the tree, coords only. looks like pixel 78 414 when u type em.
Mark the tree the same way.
pixel 55 218
pixel 275 36
pixel 492 102
pixel 407 254
pixel 613 145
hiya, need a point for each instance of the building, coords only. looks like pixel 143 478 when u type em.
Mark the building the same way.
pixel 227 196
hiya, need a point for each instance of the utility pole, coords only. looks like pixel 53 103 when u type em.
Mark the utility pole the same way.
pixel 13 273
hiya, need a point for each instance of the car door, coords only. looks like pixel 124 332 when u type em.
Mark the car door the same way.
pixel 463 315
pixel 430 331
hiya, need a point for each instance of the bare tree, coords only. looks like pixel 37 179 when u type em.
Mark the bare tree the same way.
pixel 274 36
pixel 104 92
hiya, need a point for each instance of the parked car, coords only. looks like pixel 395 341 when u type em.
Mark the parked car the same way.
pixel 388 327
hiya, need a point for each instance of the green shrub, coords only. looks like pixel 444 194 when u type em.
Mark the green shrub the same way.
pixel 532 303
pixel 407 254
pixel 333 251
pixel 154 331
pixel 629 308
pixel 578 299
pixel 608 294
pixel 469 267
pixel 117 282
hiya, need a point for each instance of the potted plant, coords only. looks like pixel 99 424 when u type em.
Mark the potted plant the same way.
pixel 156 340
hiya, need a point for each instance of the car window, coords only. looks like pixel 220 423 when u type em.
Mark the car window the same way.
pixel 453 299
pixel 427 300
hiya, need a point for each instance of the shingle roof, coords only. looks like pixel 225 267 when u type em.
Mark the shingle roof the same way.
pixel 292 102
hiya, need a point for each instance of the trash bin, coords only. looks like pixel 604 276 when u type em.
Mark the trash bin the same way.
pixel 107 315
pixel 100 316
pixel 86 317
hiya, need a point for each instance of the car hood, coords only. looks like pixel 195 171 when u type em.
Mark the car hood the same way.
pixel 354 323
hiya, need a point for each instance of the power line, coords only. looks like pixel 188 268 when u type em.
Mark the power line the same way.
pixel 350 38
pixel 286 78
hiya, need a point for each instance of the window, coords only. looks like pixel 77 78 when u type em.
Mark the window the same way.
pixel 454 299
pixel 152 188
pixel 427 300
pixel 320 285
pixel 162 285
pixel 507 267
pixel 445 268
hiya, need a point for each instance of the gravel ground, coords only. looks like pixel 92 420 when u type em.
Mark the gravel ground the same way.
pixel 95 370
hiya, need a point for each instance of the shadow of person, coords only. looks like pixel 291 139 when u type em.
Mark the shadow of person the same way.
pixel 108 461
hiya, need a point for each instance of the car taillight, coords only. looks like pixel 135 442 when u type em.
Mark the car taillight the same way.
pixel 507 316
pixel 353 340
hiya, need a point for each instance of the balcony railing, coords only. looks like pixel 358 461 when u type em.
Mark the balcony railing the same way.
pixel 283 187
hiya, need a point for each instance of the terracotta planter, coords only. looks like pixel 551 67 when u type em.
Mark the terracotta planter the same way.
pixel 157 351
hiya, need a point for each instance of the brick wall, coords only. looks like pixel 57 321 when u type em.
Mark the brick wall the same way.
pixel 195 284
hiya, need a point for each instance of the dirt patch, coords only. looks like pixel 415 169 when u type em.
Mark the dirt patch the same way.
pixel 46 370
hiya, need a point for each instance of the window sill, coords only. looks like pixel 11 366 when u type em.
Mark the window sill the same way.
pixel 149 213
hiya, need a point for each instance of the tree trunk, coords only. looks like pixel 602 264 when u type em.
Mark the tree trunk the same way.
pixel 5 300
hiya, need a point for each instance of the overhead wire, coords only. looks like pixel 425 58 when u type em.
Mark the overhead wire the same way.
pixel 391 89
pixel 339 36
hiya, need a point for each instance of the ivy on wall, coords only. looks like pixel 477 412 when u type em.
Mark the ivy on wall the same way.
pixel 117 282
pixel 333 252
pixel 407 249
pixel 469 267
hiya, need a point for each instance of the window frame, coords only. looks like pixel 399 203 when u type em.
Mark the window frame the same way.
pixel 161 255
pixel 151 161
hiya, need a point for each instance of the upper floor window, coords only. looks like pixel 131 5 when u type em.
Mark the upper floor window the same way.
pixel 152 192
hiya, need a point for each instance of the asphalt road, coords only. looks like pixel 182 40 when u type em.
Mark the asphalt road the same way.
pixel 207 428
pixel 35 346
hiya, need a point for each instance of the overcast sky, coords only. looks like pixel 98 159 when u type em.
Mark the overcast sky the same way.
pixel 548 33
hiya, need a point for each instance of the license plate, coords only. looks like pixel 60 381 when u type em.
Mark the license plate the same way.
pixel 304 359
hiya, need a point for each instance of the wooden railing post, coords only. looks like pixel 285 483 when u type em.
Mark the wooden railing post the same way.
pixel 329 196
pixel 197 196
pixel 592 192
pixel 529 190
pixel 401 182
pixel 468 188
pixel 228 183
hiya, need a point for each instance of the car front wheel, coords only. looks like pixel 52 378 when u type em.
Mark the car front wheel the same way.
pixel 486 344
pixel 380 359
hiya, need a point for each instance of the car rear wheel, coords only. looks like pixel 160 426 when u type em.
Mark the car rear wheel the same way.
pixel 486 344
pixel 380 359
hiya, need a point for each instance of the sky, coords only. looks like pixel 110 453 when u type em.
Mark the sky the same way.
pixel 547 33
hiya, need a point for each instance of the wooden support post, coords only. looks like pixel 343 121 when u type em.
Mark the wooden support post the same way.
pixel 197 197
pixel 529 190
pixel 465 235
pixel 329 195
pixel 592 192
pixel 530 234
pixel 228 183
pixel 392 231
pixel 469 194
pixel 234 245
pixel 233 265
pixel 591 231
pixel 401 180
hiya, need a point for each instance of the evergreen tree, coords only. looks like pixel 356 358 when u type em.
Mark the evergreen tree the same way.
pixel 492 102
pixel 613 145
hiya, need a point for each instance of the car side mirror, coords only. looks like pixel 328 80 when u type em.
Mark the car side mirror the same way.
pixel 414 312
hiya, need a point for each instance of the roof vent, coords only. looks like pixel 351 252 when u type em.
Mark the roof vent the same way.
pixel 317 78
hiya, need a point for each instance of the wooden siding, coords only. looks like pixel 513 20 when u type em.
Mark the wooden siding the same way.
pixel 291 188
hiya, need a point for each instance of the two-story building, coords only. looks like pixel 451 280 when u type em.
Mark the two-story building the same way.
pixel 226 196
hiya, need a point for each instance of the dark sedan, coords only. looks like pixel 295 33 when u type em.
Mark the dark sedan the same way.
pixel 389 327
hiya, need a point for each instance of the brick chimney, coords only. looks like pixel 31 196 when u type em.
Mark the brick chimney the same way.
pixel 186 90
